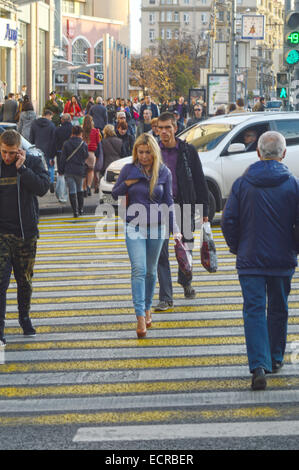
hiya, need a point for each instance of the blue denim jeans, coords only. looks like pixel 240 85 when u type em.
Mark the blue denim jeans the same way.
pixel 51 170
pixel 266 336
pixel 144 246
pixel 74 183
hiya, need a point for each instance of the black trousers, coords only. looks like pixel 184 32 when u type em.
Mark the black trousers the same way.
pixel 18 255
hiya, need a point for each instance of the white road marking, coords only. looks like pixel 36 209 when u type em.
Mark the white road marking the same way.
pixel 186 431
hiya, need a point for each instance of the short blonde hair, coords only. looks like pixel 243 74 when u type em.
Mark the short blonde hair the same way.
pixel 109 131
pixel 150 141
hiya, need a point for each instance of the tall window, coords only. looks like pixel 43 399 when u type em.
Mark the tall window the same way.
pixel 68 6
pixel 80 52
pixel 151 34
pixel 186 18
pixel 23 55
pixel 99 56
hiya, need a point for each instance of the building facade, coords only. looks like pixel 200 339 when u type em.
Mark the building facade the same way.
pixel 210 23
pixel 26 42
pixel 95 48
pixel 171 19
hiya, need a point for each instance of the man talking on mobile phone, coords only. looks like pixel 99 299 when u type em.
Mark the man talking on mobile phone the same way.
pixel 22 178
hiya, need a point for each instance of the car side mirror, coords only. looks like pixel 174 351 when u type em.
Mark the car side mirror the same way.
pixel 236 148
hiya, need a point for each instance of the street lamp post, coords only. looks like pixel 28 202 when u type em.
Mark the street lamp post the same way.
pixel 232 81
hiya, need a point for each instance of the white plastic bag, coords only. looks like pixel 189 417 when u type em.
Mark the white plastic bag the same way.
pixel 61 189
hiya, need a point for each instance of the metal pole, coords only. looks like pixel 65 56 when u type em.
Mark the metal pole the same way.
pixel 232 82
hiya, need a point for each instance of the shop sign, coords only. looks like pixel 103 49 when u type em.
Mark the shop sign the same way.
pixel 8 33
pixel 60 79
pixel 98 78
pixel 84 77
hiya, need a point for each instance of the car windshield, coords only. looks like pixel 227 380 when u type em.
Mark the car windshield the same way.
pixel 206 137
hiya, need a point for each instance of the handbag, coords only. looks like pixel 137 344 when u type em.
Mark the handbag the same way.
pixel 208 253
pixel 184 258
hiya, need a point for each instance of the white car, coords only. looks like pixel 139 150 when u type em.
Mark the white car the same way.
pixel 222 151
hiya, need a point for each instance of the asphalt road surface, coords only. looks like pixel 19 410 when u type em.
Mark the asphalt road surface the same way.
pixel 87 382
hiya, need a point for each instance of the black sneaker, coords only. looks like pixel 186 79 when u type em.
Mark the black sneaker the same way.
pixel 163 305
pixel 189 292
pixel 259 381
pixel 2 341
pixel 52 188
pixel 27 327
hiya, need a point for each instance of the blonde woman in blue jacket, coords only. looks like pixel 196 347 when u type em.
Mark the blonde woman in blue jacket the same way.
pixel 146 182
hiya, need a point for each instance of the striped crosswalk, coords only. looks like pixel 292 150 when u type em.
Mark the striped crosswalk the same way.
pixel 87 369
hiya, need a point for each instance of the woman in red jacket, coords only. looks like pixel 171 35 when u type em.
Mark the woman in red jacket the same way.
pixel 92 137
pixel 73 108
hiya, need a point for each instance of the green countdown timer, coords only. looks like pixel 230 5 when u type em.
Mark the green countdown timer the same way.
pixel 293 38
pixel 292 57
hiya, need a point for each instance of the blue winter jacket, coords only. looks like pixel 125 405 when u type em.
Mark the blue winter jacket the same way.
pixel 139 193
pixel 259 218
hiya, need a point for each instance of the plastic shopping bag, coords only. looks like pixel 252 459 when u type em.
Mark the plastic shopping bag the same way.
pixel 208 253
pixel 184 258
pixel 61 189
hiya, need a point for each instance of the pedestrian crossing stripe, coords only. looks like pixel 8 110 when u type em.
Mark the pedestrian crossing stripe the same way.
pixel 100 286
pixel 141 387
pixel 88 311
pixel 153 416
pixel 126 364
pixel 128 343
pixel 108 298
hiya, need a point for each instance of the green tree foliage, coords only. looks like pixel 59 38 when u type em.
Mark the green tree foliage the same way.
pixel 168 69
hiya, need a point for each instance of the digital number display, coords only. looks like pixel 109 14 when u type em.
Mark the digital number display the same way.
pixel 293 38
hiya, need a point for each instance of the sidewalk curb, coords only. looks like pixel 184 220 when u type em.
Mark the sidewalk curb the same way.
pixel 60 210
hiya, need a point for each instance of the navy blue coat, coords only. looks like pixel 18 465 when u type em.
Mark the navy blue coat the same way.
pixel 76 164
pixel 259 218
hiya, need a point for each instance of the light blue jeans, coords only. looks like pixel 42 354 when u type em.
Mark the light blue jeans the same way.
pixel 74 183
pixel 144 246
pixel 51 170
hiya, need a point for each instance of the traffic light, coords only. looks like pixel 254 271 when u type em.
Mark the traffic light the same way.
pixel 282 82
pixel 282 93
pixel 292 38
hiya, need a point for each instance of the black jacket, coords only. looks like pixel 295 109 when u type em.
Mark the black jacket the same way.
pixel 192 185
pixel 42 134
pixel 76 164
pixel 62 133
pixel 32 181
pixel 127 144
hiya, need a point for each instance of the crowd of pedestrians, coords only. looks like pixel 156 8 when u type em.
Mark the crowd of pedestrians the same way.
pixel 164 170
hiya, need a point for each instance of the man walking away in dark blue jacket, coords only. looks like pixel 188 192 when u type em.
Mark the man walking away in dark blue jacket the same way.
pixel 259 225
pixel 42 134
pixel 99 114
